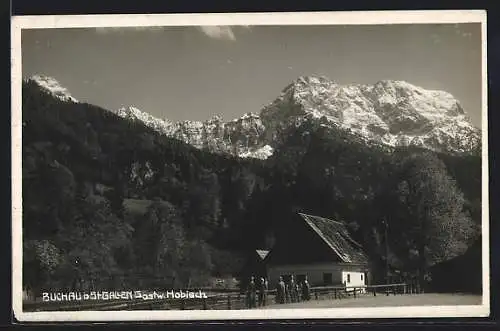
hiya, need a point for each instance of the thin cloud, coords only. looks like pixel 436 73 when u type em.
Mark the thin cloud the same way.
pixel 218 32
pixel 436 39
pixel 460 32
pixel 121 29
pixel 222 32
pixel 213 31
pixel 89 82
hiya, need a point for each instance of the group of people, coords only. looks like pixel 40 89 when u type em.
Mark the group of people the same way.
pixel 292 291
pixel 286 292
pixel 256 293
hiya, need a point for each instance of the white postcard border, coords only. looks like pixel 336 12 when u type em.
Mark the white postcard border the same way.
pixel 296 18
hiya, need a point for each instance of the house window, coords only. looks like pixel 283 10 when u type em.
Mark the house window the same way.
pixel 361 276
pixel 348 278
pixel 327 278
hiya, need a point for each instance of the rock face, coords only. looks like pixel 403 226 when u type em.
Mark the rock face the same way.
pixel 243 136
pixel 53 87
pixel 392 113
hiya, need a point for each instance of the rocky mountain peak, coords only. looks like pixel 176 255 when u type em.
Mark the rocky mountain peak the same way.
pixel 52 86
pixel 391 112
pixel 135 114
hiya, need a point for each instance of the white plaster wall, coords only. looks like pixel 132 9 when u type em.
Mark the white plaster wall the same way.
pixel 315 273
pixel 356 278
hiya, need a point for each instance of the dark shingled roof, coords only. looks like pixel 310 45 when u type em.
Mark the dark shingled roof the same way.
pixel 336 236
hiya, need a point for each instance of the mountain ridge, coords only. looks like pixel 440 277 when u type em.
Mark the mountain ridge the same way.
pixel 390 112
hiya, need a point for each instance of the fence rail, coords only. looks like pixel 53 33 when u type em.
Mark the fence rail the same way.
pixel 220 300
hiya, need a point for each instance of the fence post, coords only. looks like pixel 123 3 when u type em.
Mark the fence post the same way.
pixel 316 295
pixel 354 292
pixel 335 293
pixel 387 291
pixel 204 304
pixel 229 302
pixel 183 304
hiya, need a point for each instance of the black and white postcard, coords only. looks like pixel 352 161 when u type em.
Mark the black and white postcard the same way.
pixel 250 166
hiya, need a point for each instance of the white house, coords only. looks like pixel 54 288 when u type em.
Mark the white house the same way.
pixel 320 248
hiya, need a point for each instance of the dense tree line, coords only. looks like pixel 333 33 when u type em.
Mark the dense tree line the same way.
pixel 84 168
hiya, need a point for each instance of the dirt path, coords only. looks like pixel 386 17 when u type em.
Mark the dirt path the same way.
pixel 388 301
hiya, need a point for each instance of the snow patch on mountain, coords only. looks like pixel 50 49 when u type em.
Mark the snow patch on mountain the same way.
pixel 52 86
pixel 391 112
pixel 260 153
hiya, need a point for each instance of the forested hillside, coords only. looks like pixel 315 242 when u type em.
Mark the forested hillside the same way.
pixel 88 172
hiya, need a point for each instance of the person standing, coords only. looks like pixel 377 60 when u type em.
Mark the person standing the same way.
pixel 262 292
pixel 280 291
pixel 306 289
pixel 251 293
pixel 296 290
pixel 293 288
pixel 287 292
pixel 299 291
pixel 247 295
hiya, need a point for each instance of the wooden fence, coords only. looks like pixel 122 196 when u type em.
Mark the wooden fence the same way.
pixel 220 299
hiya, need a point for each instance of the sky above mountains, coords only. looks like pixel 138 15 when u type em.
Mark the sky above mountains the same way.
pixel 192 73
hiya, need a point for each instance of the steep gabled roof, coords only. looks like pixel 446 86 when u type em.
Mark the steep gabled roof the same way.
pixel 262 253
pixel 336 236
